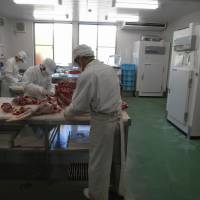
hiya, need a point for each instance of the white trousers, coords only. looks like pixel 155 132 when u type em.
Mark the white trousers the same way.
pixel 103 128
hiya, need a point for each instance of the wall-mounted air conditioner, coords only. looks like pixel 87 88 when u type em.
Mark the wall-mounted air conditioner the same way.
pixel 143 26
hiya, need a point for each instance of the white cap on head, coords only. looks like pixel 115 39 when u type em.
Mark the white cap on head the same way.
pixel 22 55
pixel 82 50
pixel 50 65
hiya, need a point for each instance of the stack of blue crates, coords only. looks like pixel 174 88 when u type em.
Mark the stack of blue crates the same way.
pixel 128 77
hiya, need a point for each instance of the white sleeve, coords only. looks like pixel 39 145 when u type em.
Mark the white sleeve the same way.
pixel 50 86
pixel 82 96
pixel 29 87
pixel 10 78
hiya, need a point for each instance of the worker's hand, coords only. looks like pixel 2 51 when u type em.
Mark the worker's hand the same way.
pixel 19 77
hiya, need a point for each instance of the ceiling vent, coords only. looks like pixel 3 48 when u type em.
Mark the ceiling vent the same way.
pixel 20 27
pixel 143 26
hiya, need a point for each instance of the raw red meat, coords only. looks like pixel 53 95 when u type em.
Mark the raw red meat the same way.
pixel 52 104
pixel 25 100
pixel 47 108
pixel 7 107
pixel 124 105
pixel 64 92
pixel 74 72
pixel 18 111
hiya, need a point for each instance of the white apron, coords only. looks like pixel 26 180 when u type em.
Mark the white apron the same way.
pixel 103 128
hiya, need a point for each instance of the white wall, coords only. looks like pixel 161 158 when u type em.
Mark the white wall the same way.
pixel 17 41
pixel 4 35
pixel 181 23
pixel 125 40
pixel 124 43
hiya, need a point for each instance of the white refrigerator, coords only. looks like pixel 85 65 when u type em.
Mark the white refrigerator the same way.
pixel 183 101
pixel 151 59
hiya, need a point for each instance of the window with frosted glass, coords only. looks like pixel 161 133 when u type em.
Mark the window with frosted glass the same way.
pixel 53 40
pixel 106 45
pixel 101 38
pixel 63 44
pixel 43 42
pixel 88 36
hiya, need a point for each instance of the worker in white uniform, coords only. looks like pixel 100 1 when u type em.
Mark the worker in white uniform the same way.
pixel 10 72
pixel 37 83
pixel 37 79
pixel 97 92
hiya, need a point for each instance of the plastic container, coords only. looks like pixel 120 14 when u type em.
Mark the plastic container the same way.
pixel 128 77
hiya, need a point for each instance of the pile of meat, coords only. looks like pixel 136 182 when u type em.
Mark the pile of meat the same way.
pixel 26 100
pixel 18 105
pixel 8 108
pixel 53 104
pixel 64 92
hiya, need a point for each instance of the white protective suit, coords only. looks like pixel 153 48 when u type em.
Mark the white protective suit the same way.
pixel 10 76
pixel 98 92
pixel 35 82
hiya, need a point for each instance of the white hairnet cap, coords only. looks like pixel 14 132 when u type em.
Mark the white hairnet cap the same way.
pixel 50 65
pixel 22 55
pixel 82 50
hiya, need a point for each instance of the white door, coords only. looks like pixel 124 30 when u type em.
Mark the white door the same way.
pixel 178 96
pixel 152 77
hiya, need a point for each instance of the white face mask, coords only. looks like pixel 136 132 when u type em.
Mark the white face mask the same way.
pixel 43 70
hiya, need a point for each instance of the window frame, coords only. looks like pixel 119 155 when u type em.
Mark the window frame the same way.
pixel 99 24
pixel 48 22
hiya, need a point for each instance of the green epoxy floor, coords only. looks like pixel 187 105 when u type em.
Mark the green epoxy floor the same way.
pixel 162 164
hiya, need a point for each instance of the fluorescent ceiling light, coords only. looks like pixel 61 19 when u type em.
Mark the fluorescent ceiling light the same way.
pixel 140 4
pixel 37 2
pixel 114 18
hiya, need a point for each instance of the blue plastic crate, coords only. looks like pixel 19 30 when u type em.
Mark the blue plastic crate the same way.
pixel 127 88
pixel 128 77
pixel 131 75
pixel 128 83
pixel 128 67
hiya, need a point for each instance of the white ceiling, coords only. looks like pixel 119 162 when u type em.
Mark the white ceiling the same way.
pixel 77 10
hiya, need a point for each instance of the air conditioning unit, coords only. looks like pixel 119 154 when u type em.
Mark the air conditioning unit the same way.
pixel 143 26
pixel 153 38
pixel 20 27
